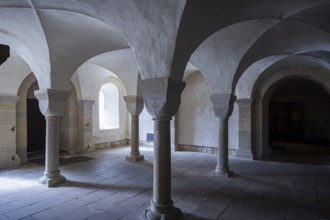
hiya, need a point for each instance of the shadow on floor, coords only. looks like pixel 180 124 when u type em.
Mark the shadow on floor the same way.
pixel 300 153
pixel 145 162
pixel 105 186
pixel 188 216
pixel 64 161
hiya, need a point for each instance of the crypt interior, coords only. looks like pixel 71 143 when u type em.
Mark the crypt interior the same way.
pixel 164 109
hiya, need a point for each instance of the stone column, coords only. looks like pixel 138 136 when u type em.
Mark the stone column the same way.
pixel 52 104
pixel 8 154
pixel 176 133
pixel 244 129
pixel 134 105
pixel 223 108
pixel 162 97
pixel 86 125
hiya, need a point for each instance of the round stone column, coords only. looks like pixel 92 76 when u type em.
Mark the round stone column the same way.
pixel 162 99
pixel 222 167
pixel 134 106
pixel 52 172
pixel 161 203
pixel 223 108
pixel 52 104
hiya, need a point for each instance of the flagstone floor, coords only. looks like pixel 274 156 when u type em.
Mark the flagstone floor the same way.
pixel 109 188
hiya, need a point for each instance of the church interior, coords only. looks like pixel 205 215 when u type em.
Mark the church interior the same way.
pixel 164 109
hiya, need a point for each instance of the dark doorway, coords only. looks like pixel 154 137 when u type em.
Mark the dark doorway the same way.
pixel 286 121
pixel 36 127
pixel 298 122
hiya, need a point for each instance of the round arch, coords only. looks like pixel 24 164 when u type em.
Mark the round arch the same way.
pixel 109 137
pixel 21 116
pixel 69 136
pixel 261 98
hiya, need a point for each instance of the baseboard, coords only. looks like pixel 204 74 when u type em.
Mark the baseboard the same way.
pixel 204 149
pixel 111 144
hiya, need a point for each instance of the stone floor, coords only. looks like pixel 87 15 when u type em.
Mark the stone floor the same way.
pixel 301 153
pixel 111 188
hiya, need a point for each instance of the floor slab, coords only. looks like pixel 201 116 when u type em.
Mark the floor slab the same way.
pixel 109 187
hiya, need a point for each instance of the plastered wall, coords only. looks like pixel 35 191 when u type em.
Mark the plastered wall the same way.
pixel 196 124
pixel 146 126
pixel 111 137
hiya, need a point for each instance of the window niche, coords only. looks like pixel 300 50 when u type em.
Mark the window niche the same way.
pixel 109 107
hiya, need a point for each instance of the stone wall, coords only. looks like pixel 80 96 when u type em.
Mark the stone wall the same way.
pixel 8 156
pixel 69 131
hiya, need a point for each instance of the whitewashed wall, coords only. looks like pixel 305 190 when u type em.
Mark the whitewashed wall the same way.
pixel 111 137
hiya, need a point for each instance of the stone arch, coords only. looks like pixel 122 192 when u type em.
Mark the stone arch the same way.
pixel 69 136
pixel 21 116
pixel 261 98
pixel 110 137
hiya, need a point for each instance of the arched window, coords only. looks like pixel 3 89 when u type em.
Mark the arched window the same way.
pixel 109 106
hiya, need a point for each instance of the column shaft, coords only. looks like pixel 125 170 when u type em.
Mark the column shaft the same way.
pixel 176 132
pixel 135 152
pixel 134 106
pixel 161 203
pixel 52 175
pixel 52 146
pixel 222 161
pixel 135 135
pixel 162 163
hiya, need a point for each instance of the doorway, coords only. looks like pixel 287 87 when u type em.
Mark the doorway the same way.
pixel 36 127
pixel 298 122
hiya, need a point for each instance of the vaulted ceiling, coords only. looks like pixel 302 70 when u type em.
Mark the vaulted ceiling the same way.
pixel 222 39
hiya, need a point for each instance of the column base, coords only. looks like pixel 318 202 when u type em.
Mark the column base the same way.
pixel 134 158
pixel 223 172
pixel 244 154
pixel 51 180
pixel 161 212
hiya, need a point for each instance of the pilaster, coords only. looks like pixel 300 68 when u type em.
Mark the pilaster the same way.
pixel 244 129
pixel 8 154
pixel 69 127
pixel 86 125
pixel 162 97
